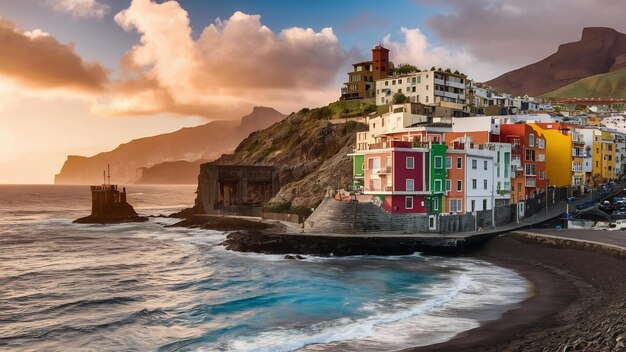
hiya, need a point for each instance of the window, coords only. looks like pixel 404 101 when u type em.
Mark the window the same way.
pixel 541 174
pixel 427 98
pixel 531 140
pixel 455 205
pixel 408 202
pixel 436 204
pixel 484 184
pixel 459 163
pixel 410 185
pixel 386 83
pixel 530 155
pixel 474 164
pixel 438 162
pixel 399 81
pixel 473 206
pixel 474 183
pixel 459 186
pixel 541 143
pixel 530 169
pixel 437 186
pixel 485 164
pixel 448 185
pixel 484 204
pixel 410 162
pixel 448 162
pixel 393 82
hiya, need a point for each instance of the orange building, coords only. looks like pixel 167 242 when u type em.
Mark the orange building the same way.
pixel 361 80
pixel 528 149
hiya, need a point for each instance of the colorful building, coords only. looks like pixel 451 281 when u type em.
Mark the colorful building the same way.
pixel 528 150
pixel 362 78
pixel 559 157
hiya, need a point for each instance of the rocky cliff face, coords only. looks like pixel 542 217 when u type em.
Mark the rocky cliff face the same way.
pixel 205 142
pixel 600 50
pixel 309 151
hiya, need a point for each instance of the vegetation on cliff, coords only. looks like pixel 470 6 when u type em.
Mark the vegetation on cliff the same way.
pixel 309 148
pixel 606 85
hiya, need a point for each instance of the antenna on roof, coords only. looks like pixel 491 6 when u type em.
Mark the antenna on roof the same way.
pixel 104 177
pixel 109 172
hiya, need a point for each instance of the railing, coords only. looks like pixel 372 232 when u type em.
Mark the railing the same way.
pixel 401 144
pixel 385 170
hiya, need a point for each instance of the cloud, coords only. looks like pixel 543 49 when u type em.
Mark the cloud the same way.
pixel 37 60
pixel 417 50
pixel 80 8
pixel 511 34
pixel 233 65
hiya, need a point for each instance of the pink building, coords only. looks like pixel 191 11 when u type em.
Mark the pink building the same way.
pixel 398 176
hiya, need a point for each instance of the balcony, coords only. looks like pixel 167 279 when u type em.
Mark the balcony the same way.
pixel 384 171
pixel 401 144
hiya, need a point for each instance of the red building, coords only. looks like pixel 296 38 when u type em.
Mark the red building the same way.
pixel 528 155
pixel 398 176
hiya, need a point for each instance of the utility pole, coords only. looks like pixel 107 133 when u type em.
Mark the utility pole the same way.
pixel 493 190
pixel 547 186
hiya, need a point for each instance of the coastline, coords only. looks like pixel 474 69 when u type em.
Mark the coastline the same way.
pixel 578 301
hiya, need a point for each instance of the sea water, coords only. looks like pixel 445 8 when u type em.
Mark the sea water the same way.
pixel 147 287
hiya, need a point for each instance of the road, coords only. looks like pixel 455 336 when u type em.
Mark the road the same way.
pixel 615 238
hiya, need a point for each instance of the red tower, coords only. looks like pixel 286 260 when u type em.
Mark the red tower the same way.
pixel 380 62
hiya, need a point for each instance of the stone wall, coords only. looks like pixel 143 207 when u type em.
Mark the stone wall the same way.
pixel 351 217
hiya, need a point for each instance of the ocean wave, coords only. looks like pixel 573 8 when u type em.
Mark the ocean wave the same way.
pixel 61 330
pixel 343 329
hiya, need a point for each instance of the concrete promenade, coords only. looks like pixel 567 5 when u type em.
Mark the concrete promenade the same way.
pixel 610 238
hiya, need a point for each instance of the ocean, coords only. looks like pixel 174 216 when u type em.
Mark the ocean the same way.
pixel 145 287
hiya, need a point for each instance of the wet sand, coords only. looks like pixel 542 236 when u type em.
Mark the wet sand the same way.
pixel 578 301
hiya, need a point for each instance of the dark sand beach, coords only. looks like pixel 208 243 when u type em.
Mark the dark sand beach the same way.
pixel 578 301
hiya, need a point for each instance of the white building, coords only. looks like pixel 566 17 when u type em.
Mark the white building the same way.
pixel 428 87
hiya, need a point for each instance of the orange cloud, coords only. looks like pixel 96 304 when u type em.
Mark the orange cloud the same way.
pixel 233 65
pixel 36 59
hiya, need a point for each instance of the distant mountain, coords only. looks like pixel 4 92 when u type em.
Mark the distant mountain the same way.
pixel 600 50
pixel 172 172
pixel 605 85
pixel 204 142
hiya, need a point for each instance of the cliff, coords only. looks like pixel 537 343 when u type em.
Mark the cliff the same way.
pixel 204 142
pixel 600 50
pixel 309 151
pixel 605 85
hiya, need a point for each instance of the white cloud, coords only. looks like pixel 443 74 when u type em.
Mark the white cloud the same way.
pixel 233 65
pixel 417 50
pixel 80 8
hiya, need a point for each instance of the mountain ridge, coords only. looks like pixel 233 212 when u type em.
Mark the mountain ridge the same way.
pixel 204 142
pixel 600 50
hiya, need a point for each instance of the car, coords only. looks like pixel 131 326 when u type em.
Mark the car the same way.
pixel 571 200
pixel 621 211
pixel 585 205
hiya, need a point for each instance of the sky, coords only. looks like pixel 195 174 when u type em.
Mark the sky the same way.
pixel 82 76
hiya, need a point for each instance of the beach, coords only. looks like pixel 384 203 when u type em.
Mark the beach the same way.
pixel 578 301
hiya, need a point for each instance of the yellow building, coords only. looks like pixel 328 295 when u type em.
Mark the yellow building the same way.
pixel 603 157
pixel 558 157
pixel 608 156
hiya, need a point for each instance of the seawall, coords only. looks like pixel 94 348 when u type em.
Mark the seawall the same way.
pixel 571 243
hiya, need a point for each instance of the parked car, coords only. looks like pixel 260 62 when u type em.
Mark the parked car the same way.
pixel 621 211
pixel 571 200
pixel 585 205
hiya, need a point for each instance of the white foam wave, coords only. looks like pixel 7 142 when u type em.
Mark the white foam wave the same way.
pixel 344 329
